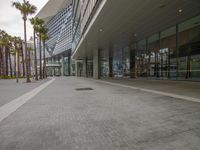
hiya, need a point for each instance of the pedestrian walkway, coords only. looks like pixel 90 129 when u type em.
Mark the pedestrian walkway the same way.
pixel 188 89
pixel 10 90
pixel 12 106
pixel 79 114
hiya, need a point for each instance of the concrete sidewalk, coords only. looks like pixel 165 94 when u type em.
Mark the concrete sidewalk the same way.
pixel 108 117
pixel 183 88
pixel 10 90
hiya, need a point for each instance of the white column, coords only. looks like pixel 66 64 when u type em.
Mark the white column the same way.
pixel 76 68
pixel 85 67
pixel 96 64
pixel 62 66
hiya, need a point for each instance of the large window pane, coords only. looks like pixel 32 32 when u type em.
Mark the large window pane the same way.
pixel 168 52
pixel 189 48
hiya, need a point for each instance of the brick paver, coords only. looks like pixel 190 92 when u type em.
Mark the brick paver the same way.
pixel 106 118
pixel 184 88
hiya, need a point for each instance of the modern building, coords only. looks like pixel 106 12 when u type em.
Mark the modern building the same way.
pixel 157 39
pixel 57 15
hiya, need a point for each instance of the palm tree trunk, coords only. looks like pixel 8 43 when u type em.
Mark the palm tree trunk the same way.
pixel 35 56
pixel 18 71
pixel 29 62
pixel 15 64
pixel 26 56
pixel 3 61
pixel 44 61
pixel 10 63
pixel 23 61
pixel 0 61
pixel 40 46
pixel 6 60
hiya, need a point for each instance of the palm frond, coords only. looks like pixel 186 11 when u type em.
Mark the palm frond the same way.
pixel 25 8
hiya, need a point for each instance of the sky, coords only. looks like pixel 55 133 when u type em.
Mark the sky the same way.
pixel 11 19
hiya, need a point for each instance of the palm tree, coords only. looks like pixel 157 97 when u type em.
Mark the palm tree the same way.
pixel 4 42
pixel 36 22
pixel 26 9
pixel 9 54
pixel 44 37
pixel 13 52
pixel 19 50
pixel 40 31
pixel 21 53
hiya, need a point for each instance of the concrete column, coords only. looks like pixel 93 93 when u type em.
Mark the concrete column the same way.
pixel 62 66
pixel 69 64
pixel 85 67
pixel 53 69
pixel 96 64
pixel 76 68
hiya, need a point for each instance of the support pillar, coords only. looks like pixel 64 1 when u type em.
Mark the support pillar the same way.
pixel 62 66
pixel 69 64
pixel 96 64
pixel 54 61
pixel 76 68
pixel 85 61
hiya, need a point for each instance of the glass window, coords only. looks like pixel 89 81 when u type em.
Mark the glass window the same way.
pixel 189 48
pixel 168 52
pixel 153 49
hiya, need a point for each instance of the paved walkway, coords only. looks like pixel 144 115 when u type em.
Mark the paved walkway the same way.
pixel 105 118
pixel 10 90
pixel 184 88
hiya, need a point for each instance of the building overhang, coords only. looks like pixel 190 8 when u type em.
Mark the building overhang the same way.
pixel 51 8
pixel 120 23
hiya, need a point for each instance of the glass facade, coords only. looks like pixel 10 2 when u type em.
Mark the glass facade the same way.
pixel 173 53
pixel 60 31
pixel 60 42
pixel 82 11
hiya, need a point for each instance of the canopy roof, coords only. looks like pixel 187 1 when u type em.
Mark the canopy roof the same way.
pixel 51 8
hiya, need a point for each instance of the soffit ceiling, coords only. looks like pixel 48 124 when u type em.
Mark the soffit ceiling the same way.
pixel 121 20
pixel 52 8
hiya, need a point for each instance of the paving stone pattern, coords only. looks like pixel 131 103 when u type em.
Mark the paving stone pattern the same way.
pixel 10 90
pixel 106 118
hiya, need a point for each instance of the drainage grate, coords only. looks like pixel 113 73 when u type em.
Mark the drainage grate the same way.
pixel 83 89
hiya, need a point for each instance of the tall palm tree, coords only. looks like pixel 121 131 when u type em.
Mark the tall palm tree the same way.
pixel 21 53
pixel 2 70
pixel 39 31
pixel 36 22
pixel 26 9
pixel 4 42
pixel 13 52
pixel 10 47
pixel 44 36
pixel 19 50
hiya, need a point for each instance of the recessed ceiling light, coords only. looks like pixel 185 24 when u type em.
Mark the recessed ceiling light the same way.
pixel 100 30
pixel 135 34
pixel 180 10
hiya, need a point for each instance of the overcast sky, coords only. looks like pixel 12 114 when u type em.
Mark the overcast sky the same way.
pixel 11 19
